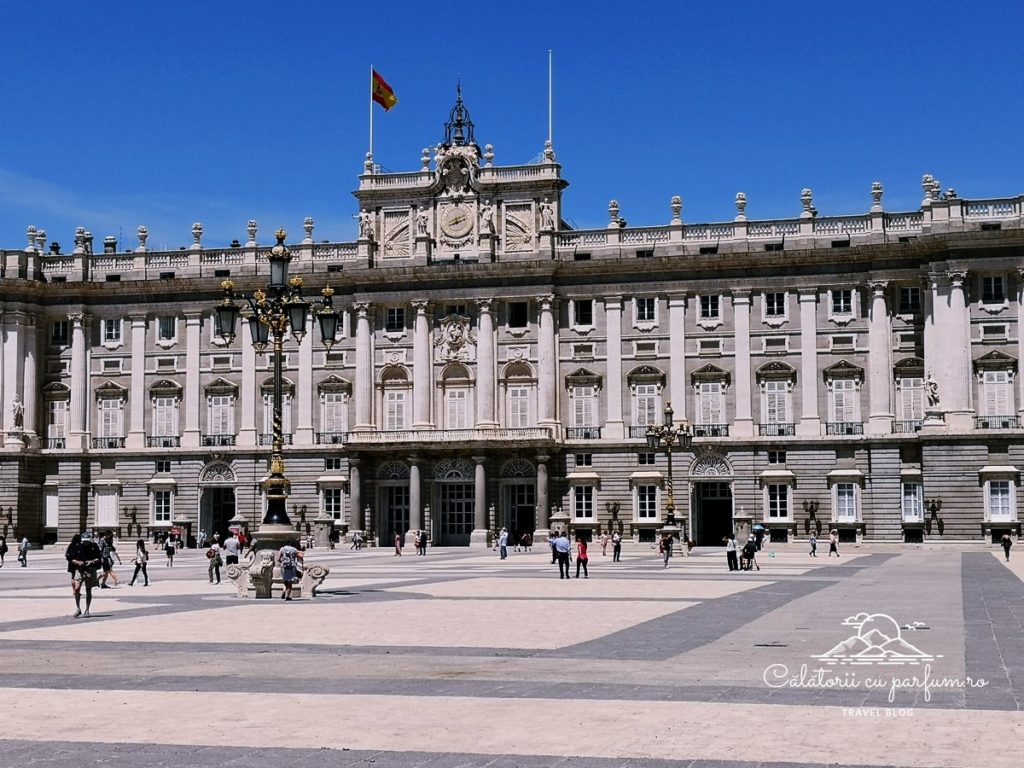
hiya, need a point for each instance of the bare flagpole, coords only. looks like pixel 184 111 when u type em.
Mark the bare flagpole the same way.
pixel 550 98
pixel 371 110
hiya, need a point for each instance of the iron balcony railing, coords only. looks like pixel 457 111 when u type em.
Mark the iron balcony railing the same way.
pixel 906 426
pixel 844 428
pixel 56 442
pixel 996 422
pixel 108 442
pixel 583 433
pixel 218 440
pixel 710 430
pixel 163 441
pixel 776 430
pixel 330 438
pixel 268 438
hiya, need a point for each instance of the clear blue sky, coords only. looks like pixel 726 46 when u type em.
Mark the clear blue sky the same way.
pixel 119 113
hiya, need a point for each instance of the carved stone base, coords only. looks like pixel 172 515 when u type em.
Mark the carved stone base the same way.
pixel 259 578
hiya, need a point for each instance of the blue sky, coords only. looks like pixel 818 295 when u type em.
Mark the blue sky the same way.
pixel 123 113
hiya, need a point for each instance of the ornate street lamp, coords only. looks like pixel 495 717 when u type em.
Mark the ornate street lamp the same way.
pixel 667 436
pixel 271 314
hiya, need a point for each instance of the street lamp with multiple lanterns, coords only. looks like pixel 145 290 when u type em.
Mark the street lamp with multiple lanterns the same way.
pixel 271 313
pixel 667 436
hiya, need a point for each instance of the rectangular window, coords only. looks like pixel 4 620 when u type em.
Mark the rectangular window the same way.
pixel 645 459
pixel 162 507
pixel 394 320
pixel 163 466
pixel 776 402
pixel 999 500
pixel 646 402
pixel 111 417
pixel 584 459
pixel 106 507
pixel 709 403
pixel 334 463
pixel 775 304
pixel 268 414
pixel 60 333
pixel 910 300
pixel 165 417
pixel 221 414
pixel 333 412
pixel 842 302
pixel 58 419
pixel 911 398
pixel 647 502
pixel 457 408
pixel 846 502
pixel 776 457
pixel 394 409
pixel 583 502
pixel 518 314
pixel 993 290
pixel 709 308
pixel 455 309
pixel 644 308
pixel 332 502
pixel 167 328
pixel 912 506
pixel 585 407
pixel 583 312
pixel 998 393
pixel 51 507
pixel 518 407
pixel 111 330
pixel 844 400
pixel 778 501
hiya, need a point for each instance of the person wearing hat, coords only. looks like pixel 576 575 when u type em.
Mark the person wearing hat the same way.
pixel 503 543
pixel 83 558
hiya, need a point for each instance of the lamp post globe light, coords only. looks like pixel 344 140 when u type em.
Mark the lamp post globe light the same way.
pixel 271 314
pixel 666 436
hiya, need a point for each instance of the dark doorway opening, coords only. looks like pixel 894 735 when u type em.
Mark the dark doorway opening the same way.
pixel 712 513
pixel 216 510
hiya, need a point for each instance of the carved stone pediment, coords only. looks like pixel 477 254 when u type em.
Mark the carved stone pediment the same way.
pixel 909 368
pixel 334 384
pixel 646 374
pixel 165 388
pixel 111 390
pixel 581 377
pixel 221 386
pixel 844 369
pixel 776 370
pixel 710 373
pixel 995 361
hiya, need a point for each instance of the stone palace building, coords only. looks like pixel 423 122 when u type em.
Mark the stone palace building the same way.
pixel 496 367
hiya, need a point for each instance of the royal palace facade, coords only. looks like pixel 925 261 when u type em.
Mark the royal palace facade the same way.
pixel 496 367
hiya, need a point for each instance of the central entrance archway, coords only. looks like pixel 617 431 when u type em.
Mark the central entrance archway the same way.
pixel 217 499
pixel 710 499
pixel 456 502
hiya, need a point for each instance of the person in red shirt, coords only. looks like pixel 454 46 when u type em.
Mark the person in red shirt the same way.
pixel 581 557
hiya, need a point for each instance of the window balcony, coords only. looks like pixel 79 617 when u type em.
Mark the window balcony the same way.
pixel 710 430
pixel 216 440
pixel 108 442
pixel 776 430
pixel 330 438
pixel 56 442
pixel 844 428
pixel 268 438
pixel 163 441
pixel 585 433
pixel 638 432
pixel 387 438
pixel 906 426
pixel 996 422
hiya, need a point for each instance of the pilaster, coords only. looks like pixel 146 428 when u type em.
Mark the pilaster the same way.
pixel 677 353
pixel 138 397
pixel 879 361
pixel 810 421
pixel 743 424
pixel 485 371
pixel 304 423
pixel 614 424
pixel 193 326
pixel 421 366
pixel 364 368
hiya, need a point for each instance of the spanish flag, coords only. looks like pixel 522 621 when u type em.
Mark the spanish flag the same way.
pixel 381 92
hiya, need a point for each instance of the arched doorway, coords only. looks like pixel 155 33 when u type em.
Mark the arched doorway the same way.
pixel 393 501
pixel 217 499
pixel 710 500
pixel 518 498
pixel 455 502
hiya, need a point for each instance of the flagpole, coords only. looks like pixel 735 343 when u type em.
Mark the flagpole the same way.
pixel 371 110
pixel 550 97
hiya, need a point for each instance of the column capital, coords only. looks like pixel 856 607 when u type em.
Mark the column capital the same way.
pixel 613 302
pixel 192 316
pixel 362 308
pixel 546 302
pixel 807 295
pixel 484 305
pixel 957 277
pixel 740 296
pixel 878 287
pixel 420 305
pixel 479 459
pixel 543 458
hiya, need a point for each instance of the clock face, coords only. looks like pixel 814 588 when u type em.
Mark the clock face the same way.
pixel 457 221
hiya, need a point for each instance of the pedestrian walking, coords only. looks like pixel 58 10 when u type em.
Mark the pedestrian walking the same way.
pixel 169 550
pixel 581 557
pixel 665 547
pixel 213 555
pixel 814 545
pixel 562 547
pixel 107 554
pixel 833 542
pixel 201 538
pixel 731 558
pixel 3 549
pixel 141 558
pixel 232 546
pixel 526 542
pixel 288 557
pixel 1007 542
pixel 83 558
pixel 398 543
pixel 503 544
pixel 616 547
pixel 604 544
pixel 23 552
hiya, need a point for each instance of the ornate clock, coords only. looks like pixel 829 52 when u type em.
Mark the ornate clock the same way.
pixel 457 221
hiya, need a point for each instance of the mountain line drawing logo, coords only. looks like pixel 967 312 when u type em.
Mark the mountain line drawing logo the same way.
pixel 878 639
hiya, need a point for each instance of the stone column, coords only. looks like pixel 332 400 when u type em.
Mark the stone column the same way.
pixel 546 384
pixel 355 496
pixel 13 379
pixel 810 421
pixel 485 372
pixel 415 495
pixel 879 362
pixel 364 369
pixel 30 397
pixel 957 403
pixel 677 354
pixel 78 437
pixel 479 536
pixel 247 428
pixel 614 424
pixel 1020 341
pixel 193 326
pixel 421 367
pixel 137 398
pixel 303 426
pixel 743 424
pixel 543 530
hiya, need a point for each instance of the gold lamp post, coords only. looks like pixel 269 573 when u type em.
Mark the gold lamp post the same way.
pixel 271 314
pixel 667 436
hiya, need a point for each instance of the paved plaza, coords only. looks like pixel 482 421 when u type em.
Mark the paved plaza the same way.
pixel 886 656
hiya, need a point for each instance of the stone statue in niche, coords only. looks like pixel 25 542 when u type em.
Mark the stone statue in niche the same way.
pixel 421 222
pixel 487 218
pixel 365 225
pixel 931 388
pixel 18 412
pixel 547 215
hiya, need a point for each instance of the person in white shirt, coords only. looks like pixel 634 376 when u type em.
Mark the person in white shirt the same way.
pixel 232 546
pixel 730 552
